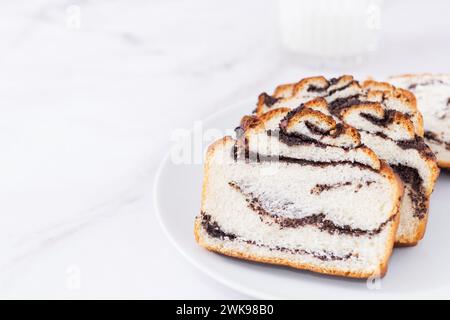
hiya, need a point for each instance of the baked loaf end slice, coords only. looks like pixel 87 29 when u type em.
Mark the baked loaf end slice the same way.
pixel 389 123
pixel 300 190
pixel 433 97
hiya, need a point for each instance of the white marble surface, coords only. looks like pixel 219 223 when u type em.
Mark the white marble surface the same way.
pixel 87 108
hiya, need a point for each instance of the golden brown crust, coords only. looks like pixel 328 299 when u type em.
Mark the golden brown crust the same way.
pixel 284 90
pixel 302 84
pixel 386 91
pixel 269 115
pixel 318 104
pixel 405 245
pixel 391 92
pixel 248 122
pixel 444 164
pixel 377 85
pixel 399 119
pixel 305 114
pixel 258 123
pixel 260 104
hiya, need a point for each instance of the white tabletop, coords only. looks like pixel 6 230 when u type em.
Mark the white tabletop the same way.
pixel 90 92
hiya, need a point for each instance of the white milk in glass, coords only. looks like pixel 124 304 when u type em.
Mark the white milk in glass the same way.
pixel 330 29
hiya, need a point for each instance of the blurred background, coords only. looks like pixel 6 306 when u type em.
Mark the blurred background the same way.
pixel 91 90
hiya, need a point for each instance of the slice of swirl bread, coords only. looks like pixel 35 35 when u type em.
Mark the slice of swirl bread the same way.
pixel 388 122
pixel 300 190
pixel 433 98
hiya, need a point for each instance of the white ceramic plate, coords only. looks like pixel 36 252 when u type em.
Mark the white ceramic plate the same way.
pixel 417 272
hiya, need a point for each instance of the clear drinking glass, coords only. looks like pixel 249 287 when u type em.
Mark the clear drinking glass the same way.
pixel 330 31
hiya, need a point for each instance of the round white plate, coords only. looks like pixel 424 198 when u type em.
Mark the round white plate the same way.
pixel 417 272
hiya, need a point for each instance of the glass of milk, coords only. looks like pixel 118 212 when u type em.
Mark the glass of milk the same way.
pixel 330 30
